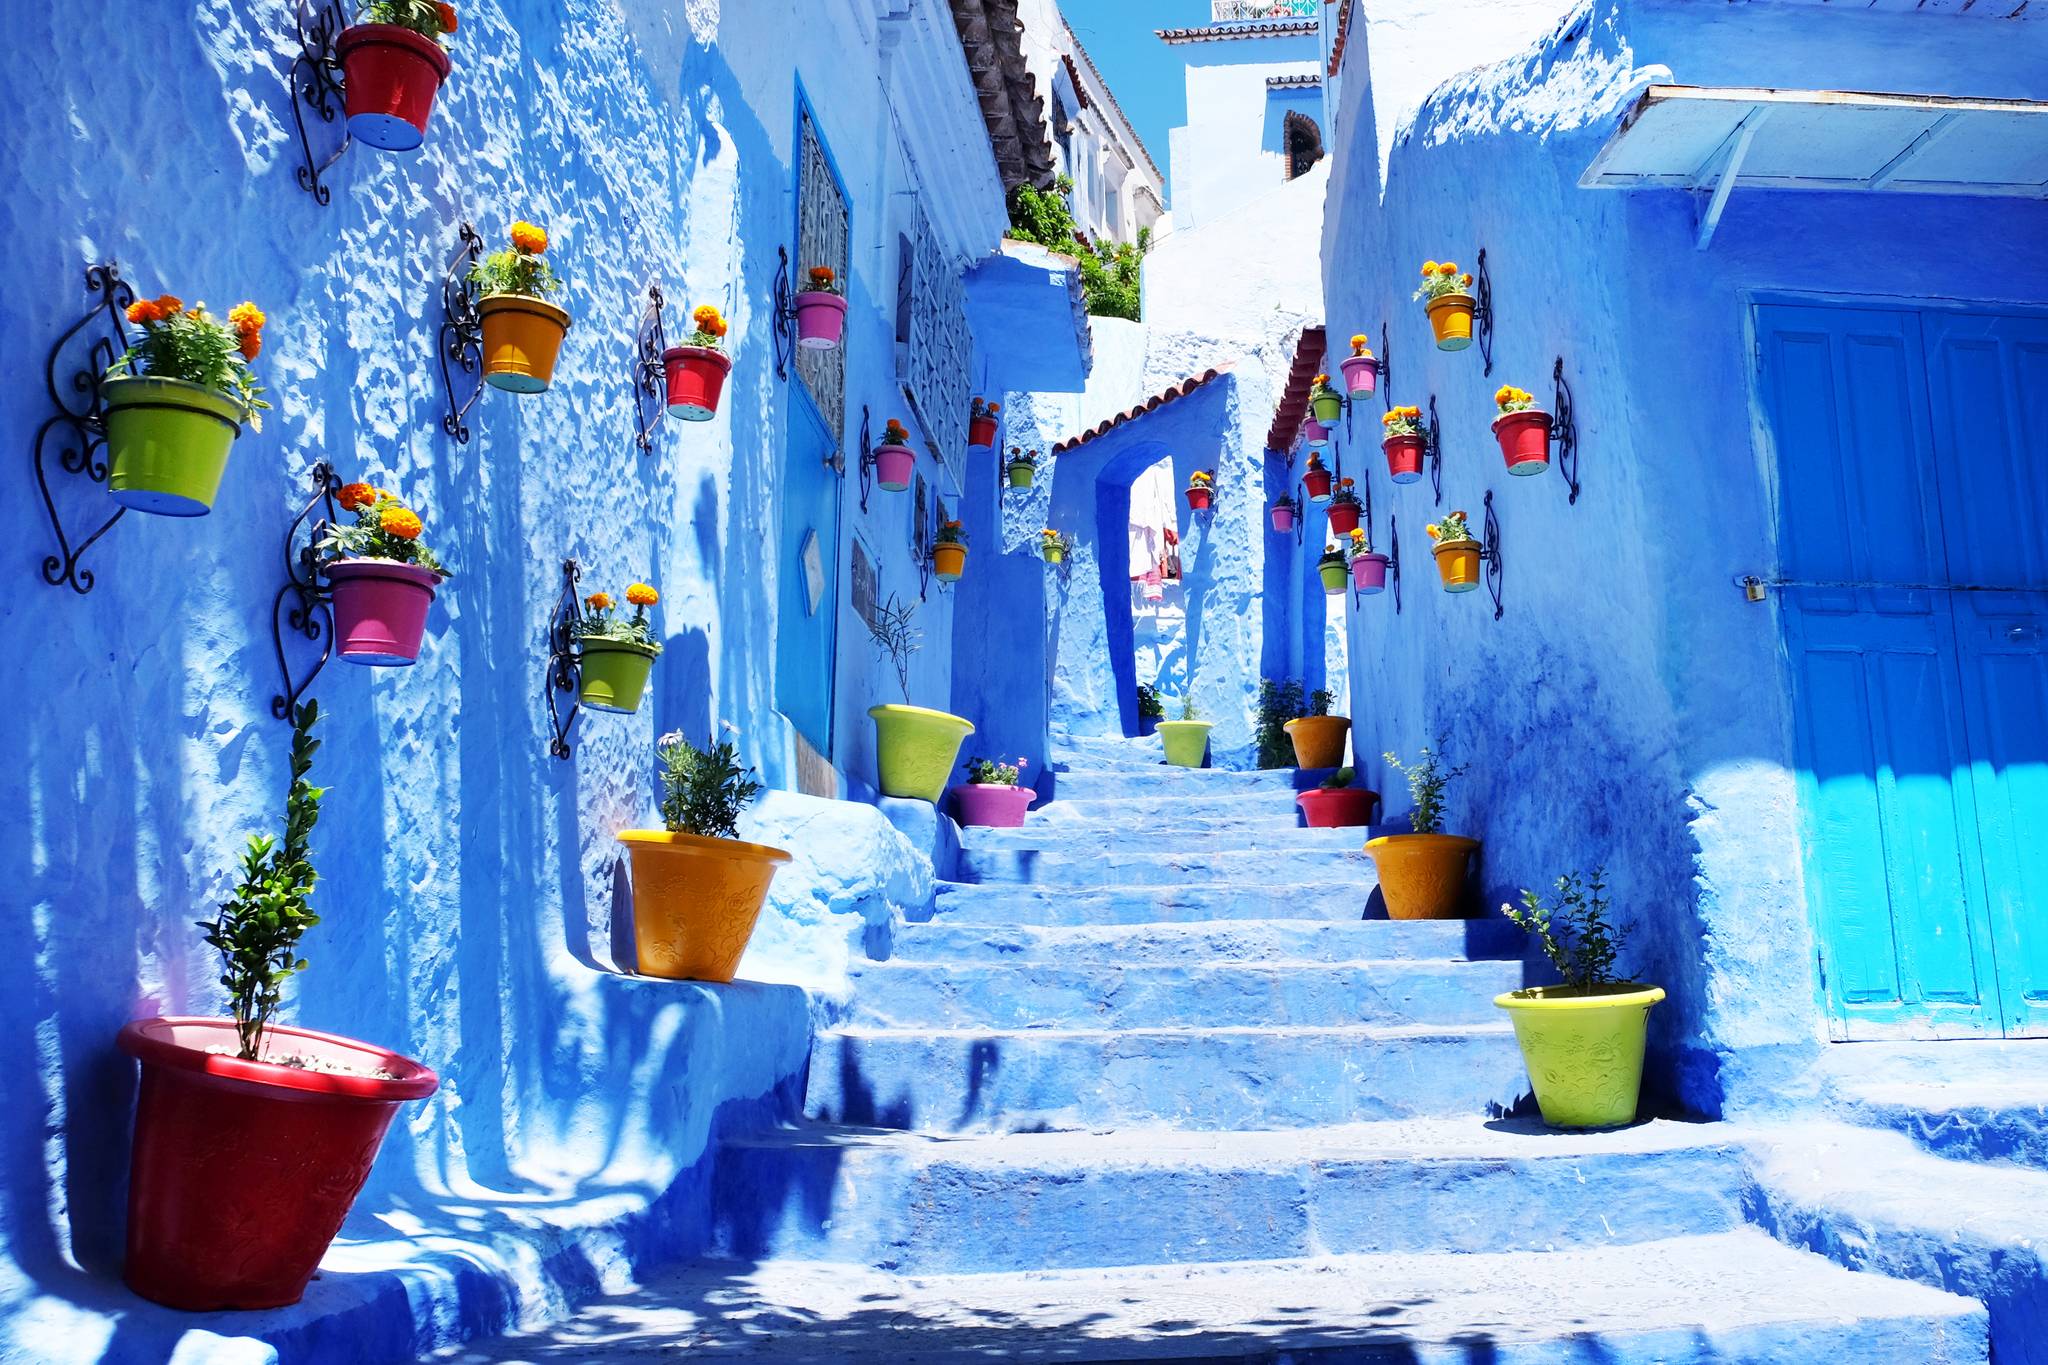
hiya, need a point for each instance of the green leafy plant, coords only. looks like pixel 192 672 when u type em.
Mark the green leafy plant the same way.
pixel 259 926
pixel 703 790
pixel 1428 778
pixel 995 772
pixel 1279 702
pixel 1337 780
pixel 950 533
pixel 1405 421
pixel 1187 707
pixel 600 619
pixel 1452 527
pixel 1320 701
pixel 424 17
pixel 1573 930
pixel 521 268
pixel 897 638
pixel 384 528
pixel 1112 273
pixel 192 345
pixel 1149 705
pixel 1019 455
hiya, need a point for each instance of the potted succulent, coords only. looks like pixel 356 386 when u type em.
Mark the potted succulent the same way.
pixel 175 402
pixel 1201 490
pixel 1448 297
pixel 1523 430
pixel 1457 553
pixel 615 653
pixel 820 310
pixel 1336 804
pixel 1332 570
pixel 697 888
pixel 697 369
pixel 915 748
pixel 1314 434
pixel 1403 438
pixel 1583 1040
pixel 1053 545
pixel 393 60
pixel 1186 741
pixel 1361 371
pixel 1368 566
pixel 381 576
pixel 895 461
pixel 949 552
pixel 1422 875
pixel 1282 513
pixel 522 331
pixel 1345 508
pixel 252 1138
pixel 991 796
pixel 1022 467
pixel 981 423
pixel 1316 479
pixel 1319 737
pixel 1327 403
pixel 1151 710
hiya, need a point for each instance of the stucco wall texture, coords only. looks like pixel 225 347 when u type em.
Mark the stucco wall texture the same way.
pixel 1630 710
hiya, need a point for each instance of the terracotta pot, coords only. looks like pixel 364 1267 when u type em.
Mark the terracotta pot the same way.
pixel 1422 876
pixel 168 444
pixel 390 76
pixel 1337 807
pixel 1319 740
pixel 949 563
pixel 993 805
pixel 1317 482
pixel 695 901
pixel 1457 562
pixel 242 1172
pixel 696 381
pixel 820 319
pixel 1361 374
pixel 522 341
pixel 1524 440
pixel 1198 499
pixel 1369 573
pixel 981 432
pixel 1450 318
pixel 1404 457
pixel 895 466
pixel 1283 518
pixel 916 750
pixel 380 610
pixel 1344 517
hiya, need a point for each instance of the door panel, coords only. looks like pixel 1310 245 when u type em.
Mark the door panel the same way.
pixel 807 598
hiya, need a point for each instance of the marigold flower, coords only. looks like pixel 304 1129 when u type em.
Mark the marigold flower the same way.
pixel 251 344
pixel 1357 535
pixel 446 14
pixel 1448 268
pixel 823 275
pixel 353 497
pixel 145 311
pixel 599 601
pixel 1429 267
pixel 1467 279
pixel 641 595
pixel 400 522
pixel 705 315
pixel 170 304
pixel 247 317
pixel 994 408
pixel 1322 379
pixel 529 238
pixel 1357 341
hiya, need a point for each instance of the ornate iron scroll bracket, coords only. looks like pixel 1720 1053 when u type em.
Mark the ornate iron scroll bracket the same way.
pixel 1564 430
pixel 78 426
pixel 867 460
pixel 924 574
pixel 565 662
pixel 1394 556
pixel 302 607
pixel 1490 556
pixel 1482 312
pixel 462 337
pixel 1435 453
pixel 783 316
pixel 316 84
pixel 650 376
pixel 1386 370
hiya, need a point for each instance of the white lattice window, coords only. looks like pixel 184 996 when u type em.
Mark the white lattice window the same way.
pixel 821 240
pixel 940 347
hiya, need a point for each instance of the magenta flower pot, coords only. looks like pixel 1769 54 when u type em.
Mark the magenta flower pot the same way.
pixel 991 804
pixel 820 319
pixel 1369 573
pixel 1361 374
pixel 1524 440
pixel 1344 517
pixel 1315 433
pixel 894 466
pixel 1337 808
pixel 380 610
pixel 1283 519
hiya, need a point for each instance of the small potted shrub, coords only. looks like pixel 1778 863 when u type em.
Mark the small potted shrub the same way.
pixel 981 423
pixel 697 888
pixel 1422 875
pixel 616 653
pixel 1457 553
pixel 1523 430
pixel 1331 568
pixel 1316 479
pixel 382 577
pixel 393 60
pixel 1403 438
pixel 820 310
pixel 252 1138
pixel 991 796
pixel 895 461
pixel 1022 467
pixel 1336 804
pixel 1447 295
pixel 1345 508
pixel 1368 566
pixel 1282 513
pixel 1361 371
pixel 1201 490
pixel 1319 737
pixel 949 552
pixel 697 369
pixel 175 402
pixel 522 331
pixel 1314 434
pixel 1327 403
pixel 1053 545
pixel 1186 741
pixel 915 747
pixel 1151 710
pixel 1280 701
pixel 1582 1041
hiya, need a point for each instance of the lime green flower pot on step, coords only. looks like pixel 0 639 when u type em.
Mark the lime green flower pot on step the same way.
pixel 1186 741
pixel 1584 1049
pixel 168 444
pixel 916 750
pixel 614 675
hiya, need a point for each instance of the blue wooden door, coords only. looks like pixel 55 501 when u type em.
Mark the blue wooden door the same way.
pixel 807 598
pixel 1917 698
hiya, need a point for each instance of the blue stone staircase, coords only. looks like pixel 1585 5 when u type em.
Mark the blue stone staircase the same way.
pixel 1147 1087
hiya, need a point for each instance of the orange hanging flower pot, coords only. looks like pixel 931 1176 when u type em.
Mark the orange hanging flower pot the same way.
pixel 696 901
pixel 1457 563
pixel 522 340
pixel 1450 318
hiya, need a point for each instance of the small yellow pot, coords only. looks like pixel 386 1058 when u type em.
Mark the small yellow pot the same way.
pixel 1186 742
pixel 949 562
pixel 1422 876
pixel 695 901
pixel 522 340
pixel 1457 563
pixel 1319 740
pixel 1450 317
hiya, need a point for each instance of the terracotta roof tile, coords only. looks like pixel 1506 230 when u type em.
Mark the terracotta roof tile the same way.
pixel 1301 377
pixel 1157 400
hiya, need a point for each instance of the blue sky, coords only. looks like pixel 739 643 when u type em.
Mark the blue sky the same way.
pixel 1145 73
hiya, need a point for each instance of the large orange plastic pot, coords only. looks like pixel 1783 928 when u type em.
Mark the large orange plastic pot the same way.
pixel 1422 876
pixel 1457 563
pixel 1319 740
pixel 1450 317
pixel 522 340
pixel 695 901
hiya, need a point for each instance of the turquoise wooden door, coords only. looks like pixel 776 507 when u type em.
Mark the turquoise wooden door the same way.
pixel 1909 446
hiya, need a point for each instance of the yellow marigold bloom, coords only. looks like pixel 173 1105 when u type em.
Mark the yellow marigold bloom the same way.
pixel 1503 394
pixel 1322 379
pixel 1466 280
pixel 705 313
pixel 1429 267
pixel 1357 536
pixel 247 317
pixel 599 601
pixel 353 497
pixel 529 238
pixel 642 595
pixel 398 521
pixel 1358 341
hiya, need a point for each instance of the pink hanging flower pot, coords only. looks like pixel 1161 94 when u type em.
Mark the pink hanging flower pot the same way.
pixel 382 579
pixel 1361 371
pixel 1315 433
pixel 895 461
pixel 1523 430
pixel 820 311
pixel 1369 572
pixel 1283 516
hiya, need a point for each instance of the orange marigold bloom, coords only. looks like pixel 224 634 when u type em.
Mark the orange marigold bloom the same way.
pixel 705 313
pixel 994 408
pixel 599 601
pixel 251 345
pixel 168 304
pixel 822 274
pixel 642 595
pixel 353 497
pixel 446 14
pixel 401 522
pixel 529 238
pixel 145 311
pixel 247 317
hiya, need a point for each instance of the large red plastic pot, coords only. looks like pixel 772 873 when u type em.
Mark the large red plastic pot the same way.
pixel 1198 499
pixel 391 75
pixel 1344 518
pixel 1404 457
pixel 696 378
pixel 981 432
pixel 820 319
pixel 894 467
pixel 242 1172
pixel 993 804
pixel 1524 440
pixel 380 610
pixel 1317 482
pixel 1336 808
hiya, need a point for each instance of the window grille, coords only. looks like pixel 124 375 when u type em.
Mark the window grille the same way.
pixel 862 574
pixel 821 239
pixel 940 351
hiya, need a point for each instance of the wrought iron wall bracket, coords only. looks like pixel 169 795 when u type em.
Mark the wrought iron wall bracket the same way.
pixel 783 316
pixel 565 662
pixel 650 375
pixel 1386 369
pixel 303 607
pixel 461 343
pixel 1564 430
pixel 1394 556
pixel 317 84
pixel 77 429
pixel 1435 452
pixel 1482 312
pixel 924 575
pixel 1490 556
pixel 867 460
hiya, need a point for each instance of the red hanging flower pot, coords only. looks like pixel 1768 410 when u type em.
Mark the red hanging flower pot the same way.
pixel 1524 440
pixel 1404 457
pixel 981 424
pixel 1317 482
pixel 696 380
pixel 391 76
pixel 1198 498
pixel 1343 518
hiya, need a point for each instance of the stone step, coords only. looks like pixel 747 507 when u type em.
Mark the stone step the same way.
pixel 1099 992
pixel 1980 1100
pixel 1145 945
pixel 1014 1080
pixel 1020 1201
pixel 1011 903
pixel 1729 1297
pixel 1089 784
pixel 1208 844
pixel 1231 810
pixel 1340 862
